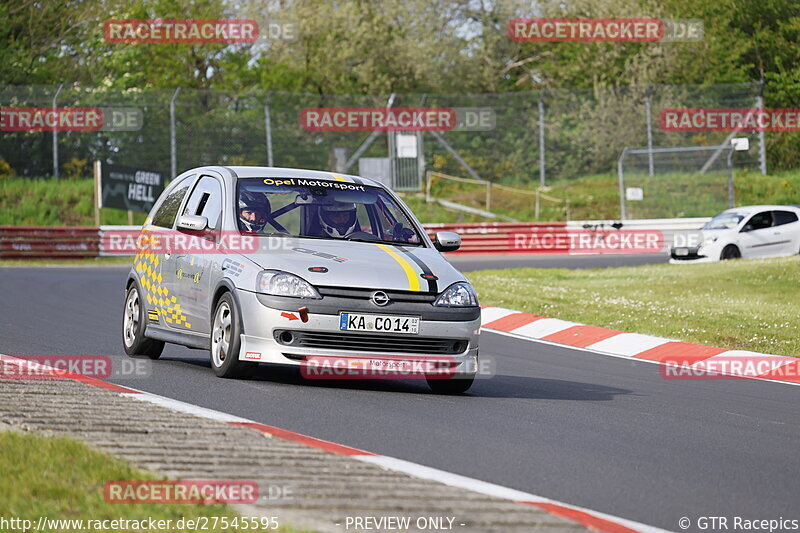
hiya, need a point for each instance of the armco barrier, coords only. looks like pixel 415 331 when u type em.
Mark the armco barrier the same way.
pixel 48 242
pixel 497 237
pixel 574 237
pixel 668 227
pixel 17 242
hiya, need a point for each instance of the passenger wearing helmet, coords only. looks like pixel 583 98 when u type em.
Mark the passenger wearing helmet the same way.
pixel 253 213
pixel 338 220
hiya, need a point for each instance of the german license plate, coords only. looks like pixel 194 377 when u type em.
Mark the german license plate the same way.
pixel 681 251
pixel 379 323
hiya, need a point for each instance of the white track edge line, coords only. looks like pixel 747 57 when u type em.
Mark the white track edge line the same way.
pixel 490 489
pixel 400 465
pixel 391 463
pixel 634 358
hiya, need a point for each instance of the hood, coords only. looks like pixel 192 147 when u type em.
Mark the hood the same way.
pixel 714 233
pixel 358 264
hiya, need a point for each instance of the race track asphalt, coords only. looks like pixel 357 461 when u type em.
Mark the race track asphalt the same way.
pixel 605 433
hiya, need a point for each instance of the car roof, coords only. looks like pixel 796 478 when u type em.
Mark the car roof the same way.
pixel 747 209
pixel 278 172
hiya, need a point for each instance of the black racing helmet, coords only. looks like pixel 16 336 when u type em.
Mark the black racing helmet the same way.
pixel 255 203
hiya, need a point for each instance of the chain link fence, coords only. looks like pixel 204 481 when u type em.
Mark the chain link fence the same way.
pixel 538 137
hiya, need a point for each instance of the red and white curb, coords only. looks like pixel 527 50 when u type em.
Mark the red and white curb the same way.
pixel 694 357
pixel 593 520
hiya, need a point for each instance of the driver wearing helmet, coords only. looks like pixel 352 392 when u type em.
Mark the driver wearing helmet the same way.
pixel 253 213
pixel 338 220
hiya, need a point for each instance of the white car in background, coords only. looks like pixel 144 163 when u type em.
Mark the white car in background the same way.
pixel 743 232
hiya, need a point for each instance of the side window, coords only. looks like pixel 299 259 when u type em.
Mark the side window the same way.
pixel 761 220
pixel 165 216
pixel 206 200
pixel 784 217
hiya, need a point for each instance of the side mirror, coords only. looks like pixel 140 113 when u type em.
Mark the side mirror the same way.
pixel 192 223
pixel 746 228
pixel 447 241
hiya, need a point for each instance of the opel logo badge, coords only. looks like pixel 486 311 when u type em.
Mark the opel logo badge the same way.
pixel 380 298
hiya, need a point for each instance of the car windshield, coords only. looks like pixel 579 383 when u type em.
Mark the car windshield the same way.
pixel 322 209
pixel 724 221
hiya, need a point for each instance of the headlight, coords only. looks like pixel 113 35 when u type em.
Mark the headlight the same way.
pixel 459 294
pixel 279 283
pixel 709 240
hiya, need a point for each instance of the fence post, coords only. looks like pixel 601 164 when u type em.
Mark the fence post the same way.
pixel 55 133
pixel 268 129
pixel 541 140
pixel 173 148
pixel 421 148
pixel 621 177
pixel 730 178
pixel 762 147
pixel 649 131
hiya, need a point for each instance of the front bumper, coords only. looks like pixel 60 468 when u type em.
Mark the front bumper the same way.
pixel 262 326
pixel 694 254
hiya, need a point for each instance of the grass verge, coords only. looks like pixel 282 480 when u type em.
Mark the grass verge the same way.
pixel 48 202
pixel 597 197
pixel 747 304
pixel 61 478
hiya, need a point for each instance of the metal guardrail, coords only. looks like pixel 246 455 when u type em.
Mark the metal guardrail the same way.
pixel 51 242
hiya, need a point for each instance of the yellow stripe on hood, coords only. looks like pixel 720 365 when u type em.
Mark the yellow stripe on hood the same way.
pixel 413 277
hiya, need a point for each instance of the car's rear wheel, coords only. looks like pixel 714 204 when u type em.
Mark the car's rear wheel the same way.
pixel 450 385
pixel 133 326
pixel 731 251
pixel 226 329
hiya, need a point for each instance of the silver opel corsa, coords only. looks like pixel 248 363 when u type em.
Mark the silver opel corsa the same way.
pixel 299 267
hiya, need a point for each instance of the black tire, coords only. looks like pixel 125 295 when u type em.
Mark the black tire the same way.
pixel 226 328
pixel 451 385
pixel 731 251
pixel 133 326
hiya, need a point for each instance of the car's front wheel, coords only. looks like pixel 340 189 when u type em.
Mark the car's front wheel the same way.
pixel 133 326
pixel 450 385
pixel 731 251
pixel 226 329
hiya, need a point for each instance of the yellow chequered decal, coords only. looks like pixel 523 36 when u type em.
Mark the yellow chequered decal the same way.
pixel 146 264
pixel 337 177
